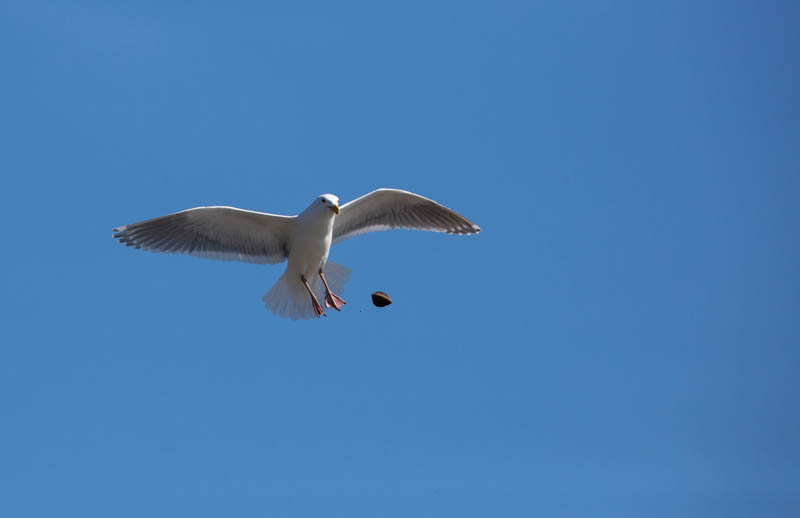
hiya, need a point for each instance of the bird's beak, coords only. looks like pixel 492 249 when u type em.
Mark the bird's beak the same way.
pixel 335 208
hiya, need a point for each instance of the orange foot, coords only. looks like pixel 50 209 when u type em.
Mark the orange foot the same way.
pixel 317 308
pixel 334 301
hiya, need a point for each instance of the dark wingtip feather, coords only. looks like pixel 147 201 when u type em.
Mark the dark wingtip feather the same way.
pixel 466 229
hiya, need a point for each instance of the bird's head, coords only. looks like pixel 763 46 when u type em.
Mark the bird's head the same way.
pixel 329 201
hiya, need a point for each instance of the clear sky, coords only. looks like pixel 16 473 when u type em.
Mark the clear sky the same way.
pixel 621 340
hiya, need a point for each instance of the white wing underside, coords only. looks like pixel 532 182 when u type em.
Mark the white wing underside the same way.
pixel 222 233
pixel 386 209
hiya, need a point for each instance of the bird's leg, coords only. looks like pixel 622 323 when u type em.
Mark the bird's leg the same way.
pixel 331 300
pixel 314 302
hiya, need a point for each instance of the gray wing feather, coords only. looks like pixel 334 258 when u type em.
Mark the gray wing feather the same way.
pixel 223 233
pixel 385 209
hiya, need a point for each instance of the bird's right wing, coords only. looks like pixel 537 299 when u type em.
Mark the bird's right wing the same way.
pixel 385 209
pixel 224 233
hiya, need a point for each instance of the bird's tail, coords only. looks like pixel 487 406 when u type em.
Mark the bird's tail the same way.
pixel 288 298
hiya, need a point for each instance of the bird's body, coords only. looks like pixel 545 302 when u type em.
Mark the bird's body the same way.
pixel 308 256
pixel 228 233
pixel 312 240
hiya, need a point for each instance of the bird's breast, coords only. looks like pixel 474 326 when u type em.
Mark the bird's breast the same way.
pixel 310 247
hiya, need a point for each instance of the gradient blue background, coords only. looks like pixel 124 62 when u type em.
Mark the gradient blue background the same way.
pixel 621 340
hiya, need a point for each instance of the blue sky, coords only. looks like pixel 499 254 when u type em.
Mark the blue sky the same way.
pixel 619 341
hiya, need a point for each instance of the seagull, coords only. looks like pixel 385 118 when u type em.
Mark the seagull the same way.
pixel 231 234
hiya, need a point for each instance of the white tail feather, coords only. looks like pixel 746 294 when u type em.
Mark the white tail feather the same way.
pixel 288 298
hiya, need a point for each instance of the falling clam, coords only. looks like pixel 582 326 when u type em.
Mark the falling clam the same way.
pixel 381 299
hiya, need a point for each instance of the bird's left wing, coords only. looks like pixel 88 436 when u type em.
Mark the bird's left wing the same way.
pixel 385 209
pixel 224 233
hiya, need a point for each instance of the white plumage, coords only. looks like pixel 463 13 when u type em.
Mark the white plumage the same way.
pixel 228 233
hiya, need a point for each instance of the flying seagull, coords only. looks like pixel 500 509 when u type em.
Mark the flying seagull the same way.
pixel 231 234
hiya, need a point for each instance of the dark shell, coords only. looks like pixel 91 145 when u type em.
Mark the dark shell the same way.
pixel 381 299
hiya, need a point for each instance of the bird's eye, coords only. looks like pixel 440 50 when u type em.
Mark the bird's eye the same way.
pixel 322 201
